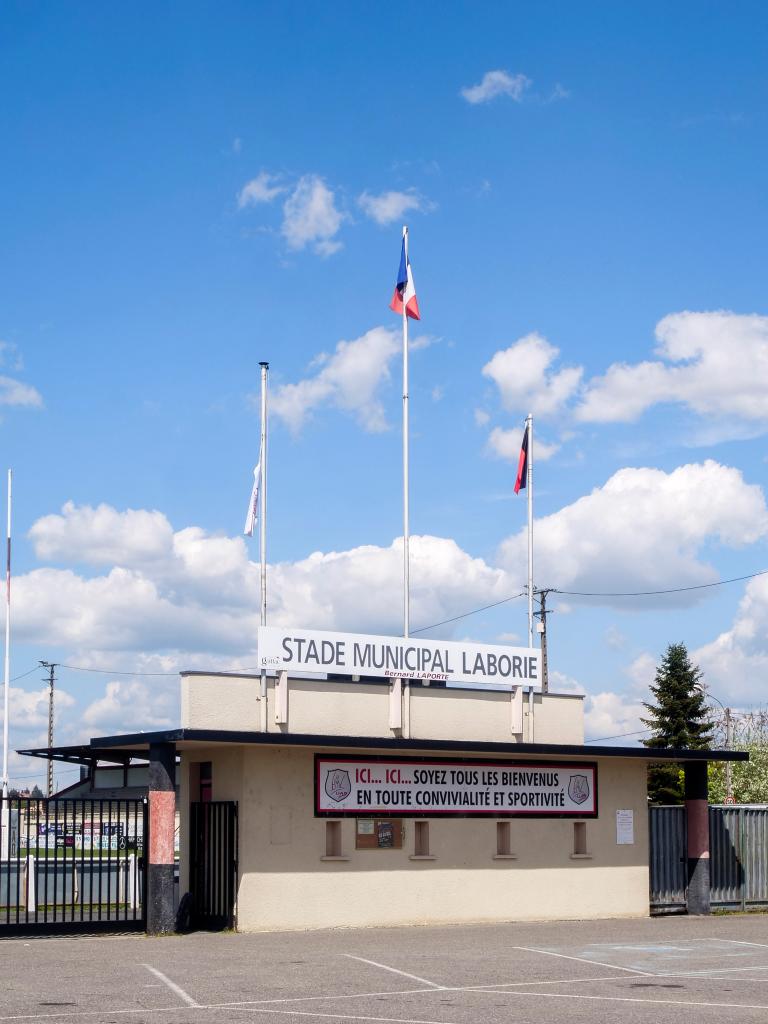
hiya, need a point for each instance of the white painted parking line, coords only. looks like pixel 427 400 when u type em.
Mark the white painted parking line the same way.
pixel 530 984
pixel 710 971
pixel 584 960
pixel 353 1016
pixel 394 970
pixel 629 999
pixel 176 989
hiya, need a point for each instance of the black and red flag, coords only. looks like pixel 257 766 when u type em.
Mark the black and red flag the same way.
pixel 522 465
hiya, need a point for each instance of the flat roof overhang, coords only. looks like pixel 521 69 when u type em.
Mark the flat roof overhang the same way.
pixel 123 749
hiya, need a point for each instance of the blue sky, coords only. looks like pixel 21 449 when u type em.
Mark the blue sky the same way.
pixel 186 191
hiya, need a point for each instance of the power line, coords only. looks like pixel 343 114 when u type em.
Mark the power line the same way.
pixel 115 671
pixel 25 778
pixel 456 618
pixel 651 593
pixel 474 611
pixel 621 735
pixel 598 593
pixel 24 674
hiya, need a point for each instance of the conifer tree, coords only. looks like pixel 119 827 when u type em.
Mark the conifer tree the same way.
pixel 679 719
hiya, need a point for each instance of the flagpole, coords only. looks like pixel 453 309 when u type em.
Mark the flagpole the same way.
pixel 7 672
pixel 529 485
pixel 263 528
pixel 406 529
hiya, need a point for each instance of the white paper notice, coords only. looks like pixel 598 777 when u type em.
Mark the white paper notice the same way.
pixel 625 828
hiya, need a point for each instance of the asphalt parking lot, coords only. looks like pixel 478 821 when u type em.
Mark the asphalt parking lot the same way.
pixel 661 969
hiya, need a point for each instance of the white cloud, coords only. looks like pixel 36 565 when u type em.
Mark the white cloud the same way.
pixel 497 83
pixel 614 638
pixel 361 589
pixel 388 207
pixel 642 671
pixel 525 380
pixel 482 418
pixel 559 682
pixel 10 356
pixel 735 663
pixel 101 536
pixel 610 716
pixel 349 379
pixel 260 189
pixel 310 217
pixel 128 705
pixel 200 595
pixel 505 444
pixel 130 609
pixel 558 93
pixel 28 709
pixel 13 392
pixel 643 530
pixel 237 146
pixel 715 364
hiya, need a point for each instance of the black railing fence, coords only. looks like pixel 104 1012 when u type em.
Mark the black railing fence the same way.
pixel 68 865
pixel 213 863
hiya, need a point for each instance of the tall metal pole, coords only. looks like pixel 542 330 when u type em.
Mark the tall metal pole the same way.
pixel 7 670
pixel 406 528
pixel 529 485
pixel 263 528
pixel 728 766
pixel 263 494
pixel 51 681
pixel 544 663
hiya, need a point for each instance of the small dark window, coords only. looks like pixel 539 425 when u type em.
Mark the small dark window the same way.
pixel 333 839
pixel 579 837
pixel 503 839
pixel 421 839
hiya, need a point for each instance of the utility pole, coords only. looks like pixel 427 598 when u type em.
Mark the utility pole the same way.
pixel 542 629
pixel 51 680
pixel 728 745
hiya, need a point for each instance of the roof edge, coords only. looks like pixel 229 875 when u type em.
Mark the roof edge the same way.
pixel 392 743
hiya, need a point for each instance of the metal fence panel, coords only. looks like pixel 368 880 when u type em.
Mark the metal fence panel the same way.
pixel 738 844
pixel 68 865
pixel 668 867
pixel 755 855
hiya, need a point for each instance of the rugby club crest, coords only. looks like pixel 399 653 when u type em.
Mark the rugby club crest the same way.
pixel 338 785
pixel 578 788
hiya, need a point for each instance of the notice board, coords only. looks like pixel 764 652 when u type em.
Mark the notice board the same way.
pixel 379 834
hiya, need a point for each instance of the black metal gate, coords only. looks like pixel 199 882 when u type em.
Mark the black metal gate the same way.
pixel 738 862
pixel 213 863
pixel 72 865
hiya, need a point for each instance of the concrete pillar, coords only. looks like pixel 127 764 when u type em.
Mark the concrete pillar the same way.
pixel 161 913
pixel 697 817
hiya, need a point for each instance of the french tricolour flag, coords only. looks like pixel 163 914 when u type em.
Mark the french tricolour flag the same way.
pixel 405 290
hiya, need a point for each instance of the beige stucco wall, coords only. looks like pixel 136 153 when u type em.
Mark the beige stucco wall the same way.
pixel 285 884
pixel 220 702
pixel 333 708
pixel 557 716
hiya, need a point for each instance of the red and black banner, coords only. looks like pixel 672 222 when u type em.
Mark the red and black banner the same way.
pixel 522 465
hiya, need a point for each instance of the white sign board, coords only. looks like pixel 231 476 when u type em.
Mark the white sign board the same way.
pixel 625 828
pixel 431 787
pixel 358 654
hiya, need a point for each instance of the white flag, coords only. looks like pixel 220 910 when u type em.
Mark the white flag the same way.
pixel 253 506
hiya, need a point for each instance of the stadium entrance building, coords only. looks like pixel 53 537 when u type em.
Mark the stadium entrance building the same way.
pixel 453 791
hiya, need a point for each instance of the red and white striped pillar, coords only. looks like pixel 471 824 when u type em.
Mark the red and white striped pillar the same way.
pixel 697 818
pixel 161 912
